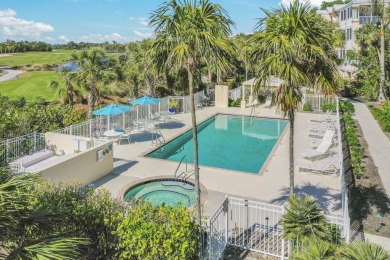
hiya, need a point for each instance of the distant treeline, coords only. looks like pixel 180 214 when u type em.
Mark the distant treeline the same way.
pixel 10 46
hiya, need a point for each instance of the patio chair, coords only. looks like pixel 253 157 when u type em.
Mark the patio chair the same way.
pixel 125 136
pixel 327 167
pixel 329 134
pixel 321 151
pixel 323 118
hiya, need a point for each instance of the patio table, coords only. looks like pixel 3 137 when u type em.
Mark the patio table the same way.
pixel 143 123
pixel 114 133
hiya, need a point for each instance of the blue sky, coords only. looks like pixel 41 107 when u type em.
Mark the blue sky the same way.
pixel 60 21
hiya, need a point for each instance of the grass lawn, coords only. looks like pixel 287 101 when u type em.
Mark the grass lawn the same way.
pixel 30 58
pixel 30 85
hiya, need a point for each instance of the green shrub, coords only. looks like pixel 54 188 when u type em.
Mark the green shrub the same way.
pixel 357 152
pixel 328 106
pixel 157 232
pixel 382 116
pixel 307 107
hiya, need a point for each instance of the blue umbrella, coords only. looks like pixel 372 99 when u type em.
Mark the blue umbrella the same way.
pixel 112 110
pixel 146 100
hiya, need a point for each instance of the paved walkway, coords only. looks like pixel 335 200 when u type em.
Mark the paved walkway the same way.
pixel 383 241
pixel 378 143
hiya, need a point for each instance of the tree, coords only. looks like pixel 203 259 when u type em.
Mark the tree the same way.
pixel 95 70
pixel 295 45
pixel 186 31
pixel 27 231
pixel 66 91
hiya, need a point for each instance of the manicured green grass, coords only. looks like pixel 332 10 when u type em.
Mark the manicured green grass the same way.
pixel 30 58
pixel 30 85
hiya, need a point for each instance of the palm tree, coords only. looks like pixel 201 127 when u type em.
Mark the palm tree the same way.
pixel 359 250
pixel 317 249
pixel 304 219
pixel 67 91
pixel 95 70
pixel 295 45
pixel 186 31
pixel 28 232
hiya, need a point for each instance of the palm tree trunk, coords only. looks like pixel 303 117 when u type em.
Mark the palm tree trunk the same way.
pixel 196 164
pixel 291 148
pixel 91 102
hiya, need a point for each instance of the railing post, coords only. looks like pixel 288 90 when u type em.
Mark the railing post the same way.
pixel 71 130
pixel 90 127
pixel 6 151
pixel 35 142
pixel 226 209
pixel 319 102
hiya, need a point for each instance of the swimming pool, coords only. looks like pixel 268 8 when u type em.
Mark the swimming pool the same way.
pixel 170 192
pixel 227 141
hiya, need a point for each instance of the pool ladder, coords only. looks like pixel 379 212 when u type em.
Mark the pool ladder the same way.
pixel 184 175
pixel 158 138
pixel 253 109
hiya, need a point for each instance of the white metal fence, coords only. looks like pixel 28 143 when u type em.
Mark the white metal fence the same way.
pixel 255 226
pixel 316 101
pixel 12 149
pixel 15 148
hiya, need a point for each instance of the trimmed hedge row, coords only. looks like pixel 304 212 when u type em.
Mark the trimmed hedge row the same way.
pixel 382 116
pixel 357 152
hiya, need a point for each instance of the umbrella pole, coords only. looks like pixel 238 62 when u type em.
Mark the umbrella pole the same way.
pixel 149 112
pixel 108 122
pixel 124 123
pixel 137 113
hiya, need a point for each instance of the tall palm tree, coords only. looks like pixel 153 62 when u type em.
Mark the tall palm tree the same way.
pixel 295 45
pixel 67 91
pixel 186 31
pixel 95 70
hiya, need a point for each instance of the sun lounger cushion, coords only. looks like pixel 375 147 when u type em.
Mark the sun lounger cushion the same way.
pixel 34 158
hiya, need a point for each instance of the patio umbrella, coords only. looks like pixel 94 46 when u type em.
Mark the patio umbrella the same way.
pixel 110 110
pixel 145 100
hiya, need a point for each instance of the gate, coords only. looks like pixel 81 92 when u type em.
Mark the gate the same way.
pixel 248 225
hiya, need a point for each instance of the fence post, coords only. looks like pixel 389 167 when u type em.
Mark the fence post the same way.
pixel 6 151
pixel 35 142
pixel 227 219
pixel 90 127
pixel 71 130
pixel 319 102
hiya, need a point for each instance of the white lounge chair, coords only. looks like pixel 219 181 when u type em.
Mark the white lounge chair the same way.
pixel 323 118
pixel 329 136
pixel 321 127
pixel 321 151
pixel 327 167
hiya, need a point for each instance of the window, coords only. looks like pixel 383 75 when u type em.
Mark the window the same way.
pixel 342 54
pixel 348 34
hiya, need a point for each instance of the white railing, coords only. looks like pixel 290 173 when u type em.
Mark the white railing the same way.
pixel 316 101
pixel 344 189
pixel 235 94
pixel 15 148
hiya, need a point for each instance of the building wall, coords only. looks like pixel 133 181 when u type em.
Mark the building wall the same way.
pixel 84 168
pixel 58 142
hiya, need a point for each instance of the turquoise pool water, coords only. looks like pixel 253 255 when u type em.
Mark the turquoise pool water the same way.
pixel 228 142
pixel 167 191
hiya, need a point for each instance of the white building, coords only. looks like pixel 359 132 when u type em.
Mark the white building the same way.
pixel 350 17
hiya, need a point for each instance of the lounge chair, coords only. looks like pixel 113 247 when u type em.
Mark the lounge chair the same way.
pixel 321 128
pixel 327 167
pixel 321 151
pixel 323 118
pixel 329 135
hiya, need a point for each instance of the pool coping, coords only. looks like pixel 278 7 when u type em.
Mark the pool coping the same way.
pixel 125 188
pixel 263 167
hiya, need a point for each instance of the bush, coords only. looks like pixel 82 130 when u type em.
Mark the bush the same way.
pixel 307 107
pixel 357 152
pixel 235 103
pixel 157 232
pixel 382 116
pixel 328 106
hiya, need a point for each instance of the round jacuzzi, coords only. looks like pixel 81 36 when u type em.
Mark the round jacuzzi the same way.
pixel 163 191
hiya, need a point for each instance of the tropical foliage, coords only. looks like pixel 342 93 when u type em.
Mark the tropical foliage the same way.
pixel 295 45
pixel 157 232
pixel 356 150
pixel 382 115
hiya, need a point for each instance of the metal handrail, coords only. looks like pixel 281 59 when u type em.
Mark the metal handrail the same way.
pixel 184 157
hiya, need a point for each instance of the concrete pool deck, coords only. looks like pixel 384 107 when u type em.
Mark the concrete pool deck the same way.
pixel 272 186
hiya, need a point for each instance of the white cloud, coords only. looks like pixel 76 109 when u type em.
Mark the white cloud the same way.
pixel 64 38
pixel 315 3
pixel 144 23
pixel 17 27
pixel 104 38
pixel 142 34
